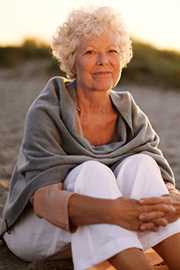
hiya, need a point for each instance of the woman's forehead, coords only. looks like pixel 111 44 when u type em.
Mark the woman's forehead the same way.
pixel 105 39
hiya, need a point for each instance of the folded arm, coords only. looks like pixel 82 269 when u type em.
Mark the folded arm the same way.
pixel 69 210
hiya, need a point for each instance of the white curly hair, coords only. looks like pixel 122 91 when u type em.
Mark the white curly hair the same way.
pixel 85 23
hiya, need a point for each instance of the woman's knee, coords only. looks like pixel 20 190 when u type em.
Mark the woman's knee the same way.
pixel 143 159
pixel 96 171
pixel 139 175
pixel 89 172
pixel 97 180
pixel 91 164
pixel 136 162
pixel 146 166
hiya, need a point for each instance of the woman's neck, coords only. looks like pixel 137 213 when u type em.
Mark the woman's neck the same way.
pixel 94 101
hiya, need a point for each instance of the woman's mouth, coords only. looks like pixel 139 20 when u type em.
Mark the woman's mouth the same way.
pixel 102 73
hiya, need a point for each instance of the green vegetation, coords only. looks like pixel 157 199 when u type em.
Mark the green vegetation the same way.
pixel 30 49
pixel 154 66
pixel 149 65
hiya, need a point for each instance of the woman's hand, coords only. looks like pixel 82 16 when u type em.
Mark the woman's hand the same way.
pixel 175 199
pixel 141 215
pixel 171 202
pixel 126 212
pixel 174 195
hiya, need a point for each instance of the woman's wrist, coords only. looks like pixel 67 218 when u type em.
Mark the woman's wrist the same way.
pixel 86 210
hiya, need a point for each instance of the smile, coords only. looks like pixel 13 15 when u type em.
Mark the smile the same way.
pixel 102 73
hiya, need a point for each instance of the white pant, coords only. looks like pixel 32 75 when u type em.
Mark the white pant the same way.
pixel 137 176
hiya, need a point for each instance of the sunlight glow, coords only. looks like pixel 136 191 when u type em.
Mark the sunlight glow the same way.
pixel 156 21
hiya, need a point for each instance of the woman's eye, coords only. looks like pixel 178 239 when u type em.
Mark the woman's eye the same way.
pixel 113 51
pixel 89 52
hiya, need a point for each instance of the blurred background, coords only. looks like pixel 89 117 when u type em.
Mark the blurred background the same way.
pixel 153 75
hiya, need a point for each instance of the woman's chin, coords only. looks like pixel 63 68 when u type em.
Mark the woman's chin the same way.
pixel 104 85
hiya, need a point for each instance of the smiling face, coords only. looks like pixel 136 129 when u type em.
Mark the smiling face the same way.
pixel 97 62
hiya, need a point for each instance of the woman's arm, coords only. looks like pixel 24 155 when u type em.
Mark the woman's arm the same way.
pixel 124 212
pixel 69 210
pixel 50 202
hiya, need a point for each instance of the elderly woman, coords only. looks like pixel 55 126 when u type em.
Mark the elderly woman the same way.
pixel 89 170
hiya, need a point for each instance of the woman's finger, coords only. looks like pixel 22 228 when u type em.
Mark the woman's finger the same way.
pixel 155 200
pixel 166 208
pixel 161 222
pixel 148 227
pixel 145 217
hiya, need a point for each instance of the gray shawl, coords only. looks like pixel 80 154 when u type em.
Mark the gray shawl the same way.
pixel 51 146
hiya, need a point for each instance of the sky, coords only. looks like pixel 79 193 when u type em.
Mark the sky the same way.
pixel 154 21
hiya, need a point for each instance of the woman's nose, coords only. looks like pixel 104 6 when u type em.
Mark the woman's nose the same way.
pixel 102 59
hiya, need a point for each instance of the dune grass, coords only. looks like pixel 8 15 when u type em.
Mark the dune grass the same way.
pixel 154 66
pixel 149 65
pixel 30 49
